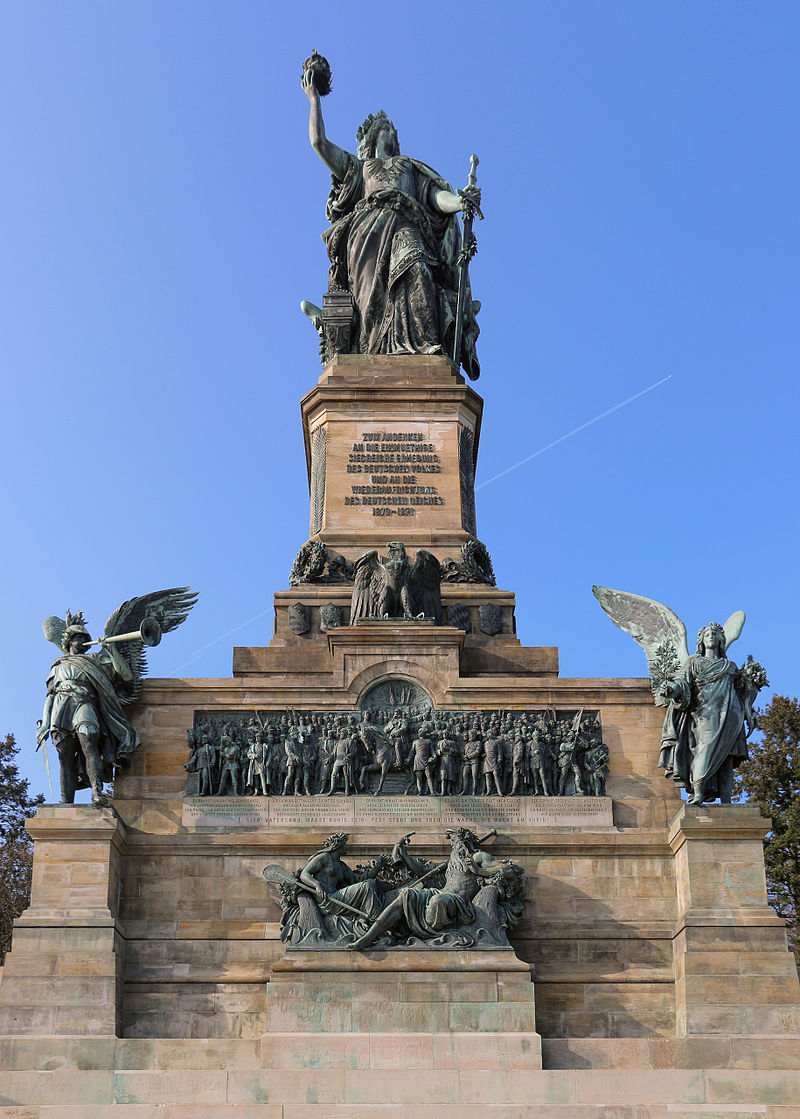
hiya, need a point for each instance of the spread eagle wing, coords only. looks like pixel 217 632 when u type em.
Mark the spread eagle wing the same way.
pixel 169 608
pixel 369 581
pixel 54 630
pixel 425 584
pixel 649 623
pixel 733 627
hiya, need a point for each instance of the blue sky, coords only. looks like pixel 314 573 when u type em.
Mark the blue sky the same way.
pixel 161 212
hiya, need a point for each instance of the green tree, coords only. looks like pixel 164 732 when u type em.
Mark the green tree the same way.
pixel 771 779
pixel 16 847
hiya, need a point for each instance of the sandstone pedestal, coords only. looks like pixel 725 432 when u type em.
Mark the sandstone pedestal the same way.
pixel 63 975
pixel 391 446
pixel 733 972
pixel 478 1004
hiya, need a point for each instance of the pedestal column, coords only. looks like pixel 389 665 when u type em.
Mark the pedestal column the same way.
pixel 391 445
pixel 63 974
pixel 733 971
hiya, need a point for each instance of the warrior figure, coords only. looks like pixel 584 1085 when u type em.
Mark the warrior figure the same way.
pixel 423 754
pixel 473 756
pixel 202 761
pixel 87 693
pixel 229 762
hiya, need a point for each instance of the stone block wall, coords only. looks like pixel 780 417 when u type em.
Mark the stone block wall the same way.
pixel 655 926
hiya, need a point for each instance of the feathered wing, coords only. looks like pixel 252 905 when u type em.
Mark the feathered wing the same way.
pixel 425 584
pixel 368 583
pixel 733 627
pixel 169 608
pixel 648 622
pixel 54 630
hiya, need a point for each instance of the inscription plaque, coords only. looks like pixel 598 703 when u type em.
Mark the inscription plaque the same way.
pixel 396 811
pixel 493 811
pixel 228 812
pixel 574 811
pixel 311 812
pixel 395 472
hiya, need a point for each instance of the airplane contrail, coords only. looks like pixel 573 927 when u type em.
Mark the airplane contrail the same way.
pixel 574 431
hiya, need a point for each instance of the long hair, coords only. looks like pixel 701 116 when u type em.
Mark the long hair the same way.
pixel 367 134
pixel 717 628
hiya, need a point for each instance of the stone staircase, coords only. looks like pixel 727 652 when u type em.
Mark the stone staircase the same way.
pixel 406 1076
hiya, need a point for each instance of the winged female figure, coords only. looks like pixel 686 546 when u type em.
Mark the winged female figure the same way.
pixel 709 699
pixel 87 693
pixel 393 241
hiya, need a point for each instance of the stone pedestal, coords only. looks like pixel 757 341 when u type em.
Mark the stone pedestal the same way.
pixel 63 975
pixel 733 971
pixel 391 445
pixel 417 1000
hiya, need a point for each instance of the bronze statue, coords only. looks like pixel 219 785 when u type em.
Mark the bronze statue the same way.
pixel 87 693
pixel 394 242
pixel 428 911
pixel 394 588
pixel 469 900
pixel 709 699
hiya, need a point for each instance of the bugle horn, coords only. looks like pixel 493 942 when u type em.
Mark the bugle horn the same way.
pixel 149 633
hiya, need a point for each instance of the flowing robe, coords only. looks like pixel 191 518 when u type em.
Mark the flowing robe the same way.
pixel 704 726
pixel 80 693
pixel 428 911
pixel 397 253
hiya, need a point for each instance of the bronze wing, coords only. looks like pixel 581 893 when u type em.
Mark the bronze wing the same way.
pixel 169 608
pixel 648 622
pixel 368 584
pixel 425 584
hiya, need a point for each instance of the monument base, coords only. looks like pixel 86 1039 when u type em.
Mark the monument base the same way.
pixel 403 991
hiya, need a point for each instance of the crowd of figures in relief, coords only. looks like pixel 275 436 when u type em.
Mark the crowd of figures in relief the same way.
pixel 413 750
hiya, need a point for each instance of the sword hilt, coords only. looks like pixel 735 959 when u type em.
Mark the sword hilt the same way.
pixel 472 181
pixel 473 178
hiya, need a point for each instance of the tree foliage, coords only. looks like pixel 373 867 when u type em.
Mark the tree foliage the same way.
pixel 771 779
pixel 16 847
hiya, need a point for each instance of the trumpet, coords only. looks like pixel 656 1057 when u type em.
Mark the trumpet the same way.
pixel 149 633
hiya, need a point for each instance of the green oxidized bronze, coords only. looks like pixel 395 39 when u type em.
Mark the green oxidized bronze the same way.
pixel 88 693
pixel 709 699
pixel 397 745
pixel 397 899
pixel 398 279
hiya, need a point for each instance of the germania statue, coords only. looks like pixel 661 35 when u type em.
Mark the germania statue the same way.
pixel 394 244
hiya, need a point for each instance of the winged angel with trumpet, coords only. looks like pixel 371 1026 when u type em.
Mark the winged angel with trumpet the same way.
pixel 87 693
pixel 709 700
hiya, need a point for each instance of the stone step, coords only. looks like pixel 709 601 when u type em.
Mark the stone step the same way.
pixel 412 1050
pixel 400 1111
pixel 403 1094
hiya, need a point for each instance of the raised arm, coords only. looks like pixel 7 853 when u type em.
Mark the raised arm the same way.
pixel 334 158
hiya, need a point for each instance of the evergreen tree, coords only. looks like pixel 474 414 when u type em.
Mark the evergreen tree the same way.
pixel 16 847
pixel 771 779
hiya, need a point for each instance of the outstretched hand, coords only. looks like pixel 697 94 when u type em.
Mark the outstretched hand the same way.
pixel 309 88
